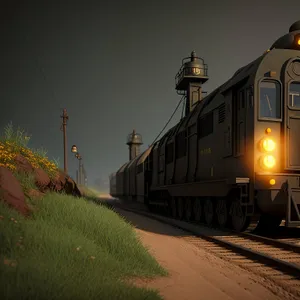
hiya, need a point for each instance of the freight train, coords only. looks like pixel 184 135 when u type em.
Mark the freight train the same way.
pixel 235 154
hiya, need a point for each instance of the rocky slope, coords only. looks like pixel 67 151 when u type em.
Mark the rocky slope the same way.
pixel 13 192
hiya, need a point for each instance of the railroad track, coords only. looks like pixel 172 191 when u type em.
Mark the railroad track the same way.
pixel 272 259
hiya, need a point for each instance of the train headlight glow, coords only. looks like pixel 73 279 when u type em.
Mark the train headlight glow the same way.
pixel 298 41
pixel 268 145
pixel 268 161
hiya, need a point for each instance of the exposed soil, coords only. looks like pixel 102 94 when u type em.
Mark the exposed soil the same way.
pixel 194 272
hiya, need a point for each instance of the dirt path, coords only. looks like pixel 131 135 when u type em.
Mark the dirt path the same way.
pixel 195 273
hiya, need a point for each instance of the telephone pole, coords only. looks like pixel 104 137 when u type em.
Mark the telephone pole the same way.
pixel 65 118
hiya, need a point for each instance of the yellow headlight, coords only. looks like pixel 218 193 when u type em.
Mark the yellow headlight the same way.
pixel 268 145
pixel 268 130
pixel 269 161
pixel 298 41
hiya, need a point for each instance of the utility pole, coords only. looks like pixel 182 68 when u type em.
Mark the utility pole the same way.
pixel 80 170
pixel 65 118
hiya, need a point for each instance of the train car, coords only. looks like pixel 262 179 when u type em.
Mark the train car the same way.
pixel 234 156
pixel 142 187
pixel 235 151
pixel 120 182
pixel 132 172
pixel 113 185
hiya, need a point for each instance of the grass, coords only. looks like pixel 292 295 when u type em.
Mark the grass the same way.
pixel 88 192
pixel 71 249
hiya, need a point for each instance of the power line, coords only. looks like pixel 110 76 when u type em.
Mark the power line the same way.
pixel 183 107
pixel 182 98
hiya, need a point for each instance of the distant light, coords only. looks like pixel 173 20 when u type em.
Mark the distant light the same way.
pixel 298 41
pixel 74 149
pixel 196 71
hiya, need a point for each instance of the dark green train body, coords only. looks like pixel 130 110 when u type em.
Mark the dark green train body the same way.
pixel 235 155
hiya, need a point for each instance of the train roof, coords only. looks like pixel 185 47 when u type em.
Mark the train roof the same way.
pixel 122 169
pixel 112 175
pixel 239 76
pixel 133 162
pixel 144 155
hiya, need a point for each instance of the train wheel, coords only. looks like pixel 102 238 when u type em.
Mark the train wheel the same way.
pixel 197 208
pixel 222 212
pixel 180 207
pixel 240 221
pixel 209 211
pixel 268 223
pixel 188 208
pixel 173 207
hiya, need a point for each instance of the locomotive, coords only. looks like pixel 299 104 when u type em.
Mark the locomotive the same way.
pixel 235 155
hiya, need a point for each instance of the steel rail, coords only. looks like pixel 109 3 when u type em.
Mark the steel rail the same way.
pixel 231 242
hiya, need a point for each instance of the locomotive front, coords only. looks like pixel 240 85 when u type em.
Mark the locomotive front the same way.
pixel 277 129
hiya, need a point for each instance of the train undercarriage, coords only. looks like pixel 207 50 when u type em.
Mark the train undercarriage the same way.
pixel 238 210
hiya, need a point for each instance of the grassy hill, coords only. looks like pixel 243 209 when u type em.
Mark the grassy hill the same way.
pixel 69 247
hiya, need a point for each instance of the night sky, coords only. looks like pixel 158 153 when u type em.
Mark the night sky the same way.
pixel 112 65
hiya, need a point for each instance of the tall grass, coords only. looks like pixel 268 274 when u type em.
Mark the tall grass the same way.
pixel 56 161
pixel 19 138
pixel 71 249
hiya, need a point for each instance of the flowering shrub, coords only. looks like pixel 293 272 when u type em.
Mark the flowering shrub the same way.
pixel 15 143
pixel 7 157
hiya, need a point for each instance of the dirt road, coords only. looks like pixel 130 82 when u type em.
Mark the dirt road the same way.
pixel 194 272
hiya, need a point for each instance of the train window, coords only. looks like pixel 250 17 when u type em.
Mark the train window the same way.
pixel 270 100
pixel 181 144
pixel 206 125
pixel 294 94
pixel 169 153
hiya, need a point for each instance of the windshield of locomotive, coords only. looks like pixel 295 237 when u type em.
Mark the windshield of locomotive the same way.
pixel 270 100
pixel 294 95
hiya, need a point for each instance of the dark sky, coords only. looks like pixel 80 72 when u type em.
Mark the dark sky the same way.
pixel 112 65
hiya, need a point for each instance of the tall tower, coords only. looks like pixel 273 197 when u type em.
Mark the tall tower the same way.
pixel 134 141
pixel 189 80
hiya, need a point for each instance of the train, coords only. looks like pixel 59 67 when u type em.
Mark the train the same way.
pixel 234 156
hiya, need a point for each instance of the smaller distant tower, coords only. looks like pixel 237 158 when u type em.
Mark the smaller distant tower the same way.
pixel 189 80
pixel 134 142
